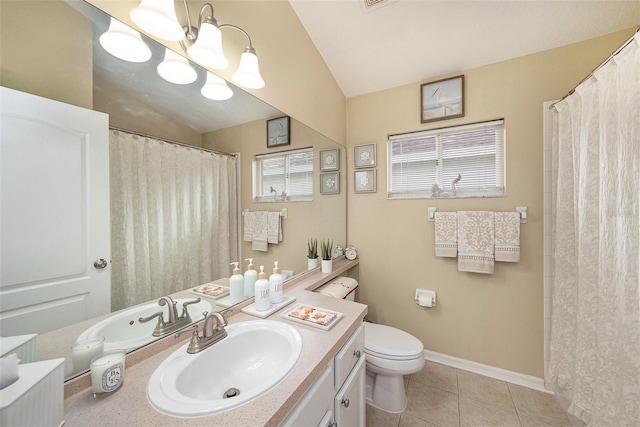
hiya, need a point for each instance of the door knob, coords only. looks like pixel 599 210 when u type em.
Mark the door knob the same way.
pixel 101 263
pixel 345 402
pixel 356 353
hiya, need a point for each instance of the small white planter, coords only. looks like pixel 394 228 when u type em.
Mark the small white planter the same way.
pixel 312 263
pixel 327 266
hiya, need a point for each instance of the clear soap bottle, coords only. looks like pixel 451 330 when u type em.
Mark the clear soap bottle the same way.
pixel 262 301
pixel 275 285
pixel 236 285
pixel 250 277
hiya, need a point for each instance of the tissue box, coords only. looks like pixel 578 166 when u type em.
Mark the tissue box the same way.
pixel 37 398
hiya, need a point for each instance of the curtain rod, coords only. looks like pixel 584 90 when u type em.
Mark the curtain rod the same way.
pixel 602 64
pixel 195 147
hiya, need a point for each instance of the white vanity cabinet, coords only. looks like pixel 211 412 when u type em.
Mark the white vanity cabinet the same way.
pixel 337 396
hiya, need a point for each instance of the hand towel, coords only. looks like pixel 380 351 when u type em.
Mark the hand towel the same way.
pixel 475 241
pixel 446 234
pixel 274 228
pixel 259 239
pixel 248 226
pixel 507 236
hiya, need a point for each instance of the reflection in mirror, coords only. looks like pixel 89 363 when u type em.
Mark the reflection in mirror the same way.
pixel 62 60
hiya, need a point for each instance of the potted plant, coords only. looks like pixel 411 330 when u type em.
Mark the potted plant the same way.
pixel 326 248
pixel 312 254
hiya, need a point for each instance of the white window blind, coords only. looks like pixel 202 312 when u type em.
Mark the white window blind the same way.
pixel 290 172
pixel 419 160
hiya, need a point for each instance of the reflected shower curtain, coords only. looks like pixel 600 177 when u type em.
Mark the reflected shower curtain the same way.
pixel 173 217
pixel 595 319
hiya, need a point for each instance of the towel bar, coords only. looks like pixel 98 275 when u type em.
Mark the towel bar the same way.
pixel 283 213
pixel 431 213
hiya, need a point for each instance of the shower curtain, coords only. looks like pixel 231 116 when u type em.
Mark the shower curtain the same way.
pixel 595 319
pixel 173 217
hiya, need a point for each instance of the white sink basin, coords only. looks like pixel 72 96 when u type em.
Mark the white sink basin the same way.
pixel 122 331
pixel 253 357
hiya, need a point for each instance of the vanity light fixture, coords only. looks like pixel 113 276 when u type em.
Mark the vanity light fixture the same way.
pixel 176 69
pixel 124 43
pixel 203 42
pixel 216 88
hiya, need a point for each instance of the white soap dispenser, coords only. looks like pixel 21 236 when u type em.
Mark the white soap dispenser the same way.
pixel 262 302
pixel 236 285
pixel 250 277
pixel 275 285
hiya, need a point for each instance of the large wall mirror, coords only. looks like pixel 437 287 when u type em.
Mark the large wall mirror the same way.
pixel 50 49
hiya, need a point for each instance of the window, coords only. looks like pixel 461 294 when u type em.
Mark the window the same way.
pixel 419 160
pixel 284 176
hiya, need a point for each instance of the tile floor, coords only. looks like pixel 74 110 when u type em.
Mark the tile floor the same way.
pixel 443 396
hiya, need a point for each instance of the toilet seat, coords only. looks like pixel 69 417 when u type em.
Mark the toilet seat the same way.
pixel 386 342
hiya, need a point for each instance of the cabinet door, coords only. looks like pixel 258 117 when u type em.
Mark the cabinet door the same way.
pixel 349 404
pixel 348 356
pixel 314 406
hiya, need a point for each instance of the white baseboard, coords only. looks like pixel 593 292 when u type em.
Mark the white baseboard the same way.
pixel 523 380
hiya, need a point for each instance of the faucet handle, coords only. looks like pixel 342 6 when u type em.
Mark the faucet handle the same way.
pixel 185 312
pixel 158 315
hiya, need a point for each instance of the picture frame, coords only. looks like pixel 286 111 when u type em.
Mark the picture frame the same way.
pixel 364 181
pixel 442 99
pixel 278 132
pixel 364 156
pixel 330 159
pixel 330 183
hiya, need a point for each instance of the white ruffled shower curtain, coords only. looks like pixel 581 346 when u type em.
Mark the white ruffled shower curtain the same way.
pixel 173 217
pixel 595 319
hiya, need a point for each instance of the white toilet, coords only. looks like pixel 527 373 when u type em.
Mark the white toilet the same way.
pixel 390 354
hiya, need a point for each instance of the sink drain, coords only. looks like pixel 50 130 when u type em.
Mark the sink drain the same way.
pixel 232 392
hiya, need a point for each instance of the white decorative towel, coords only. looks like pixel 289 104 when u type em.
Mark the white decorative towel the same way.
pixel 260 227
pixel 507 236
pixel 475 241
pixel 248 226
pixel 274 228
pixel 446 234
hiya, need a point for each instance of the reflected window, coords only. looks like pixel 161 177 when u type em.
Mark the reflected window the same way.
pixel 284 176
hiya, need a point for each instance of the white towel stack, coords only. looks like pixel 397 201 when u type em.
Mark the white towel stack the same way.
pixel 476 241
pixel 446 234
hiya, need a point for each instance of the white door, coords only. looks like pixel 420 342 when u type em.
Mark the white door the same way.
pixel 54 214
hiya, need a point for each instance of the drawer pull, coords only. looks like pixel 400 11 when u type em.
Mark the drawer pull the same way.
pixel 356 353
pixel 345 402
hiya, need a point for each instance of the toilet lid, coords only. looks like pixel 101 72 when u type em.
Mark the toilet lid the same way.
pixel 385 341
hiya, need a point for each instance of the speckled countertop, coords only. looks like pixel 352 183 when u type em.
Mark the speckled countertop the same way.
pixel 129 405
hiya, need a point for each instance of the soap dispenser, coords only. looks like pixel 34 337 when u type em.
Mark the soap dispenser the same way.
pixel 275 285
pixel 236 285
pixel 262 302
pixel 250 277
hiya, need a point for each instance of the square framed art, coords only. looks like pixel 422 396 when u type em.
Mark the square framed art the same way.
pixel 330 183
pixel 330 160
pixel 364 181
pixel 364 156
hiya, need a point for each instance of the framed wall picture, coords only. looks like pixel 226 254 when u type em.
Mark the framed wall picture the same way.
pixel 364 181
pixel 442 99
pixel 330 183
pixel 330 160
pixel 278 132
pixel 364 156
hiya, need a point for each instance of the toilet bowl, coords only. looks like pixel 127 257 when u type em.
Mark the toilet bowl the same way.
pixel 390 354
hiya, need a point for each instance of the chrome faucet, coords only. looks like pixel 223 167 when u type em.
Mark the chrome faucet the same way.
pixel 175 321
pixel 211 333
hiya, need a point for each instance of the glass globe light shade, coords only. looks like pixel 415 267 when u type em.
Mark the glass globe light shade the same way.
pixel 125 43
pixel 207 49
pixel 248 73
pixel 158 18
pixel 176 69
pixel 216 88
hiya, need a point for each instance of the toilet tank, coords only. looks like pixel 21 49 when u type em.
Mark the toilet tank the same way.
pixel 340 287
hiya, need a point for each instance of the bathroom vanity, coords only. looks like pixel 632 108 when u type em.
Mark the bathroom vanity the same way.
pixel 328 374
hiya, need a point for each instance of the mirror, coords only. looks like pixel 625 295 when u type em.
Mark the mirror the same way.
pixel 63 62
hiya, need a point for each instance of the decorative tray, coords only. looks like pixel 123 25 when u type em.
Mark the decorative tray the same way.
pixel 251 308
pixel 313 316
pixel 210 290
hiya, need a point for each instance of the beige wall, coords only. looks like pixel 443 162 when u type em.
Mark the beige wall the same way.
pixel 298 81
pixel 41 53
pixel 323 218
pixel 491 319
